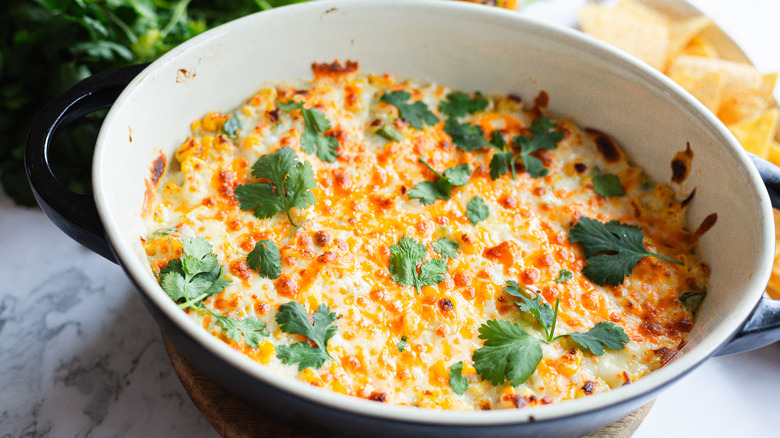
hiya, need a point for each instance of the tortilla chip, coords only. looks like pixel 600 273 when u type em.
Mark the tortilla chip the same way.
pixel 637 30
pixel 683 31
pixel 739 77
pixel 756 134
pixel 700 46
pixel 749 103
pixel 774 154
pixel 707 87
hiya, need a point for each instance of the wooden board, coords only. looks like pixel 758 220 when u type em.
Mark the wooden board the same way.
pixel 231 417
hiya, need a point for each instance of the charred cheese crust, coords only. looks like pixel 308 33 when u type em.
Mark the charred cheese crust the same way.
pixel 340 255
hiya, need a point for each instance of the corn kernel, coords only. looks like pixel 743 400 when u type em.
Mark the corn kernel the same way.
pixel 265 351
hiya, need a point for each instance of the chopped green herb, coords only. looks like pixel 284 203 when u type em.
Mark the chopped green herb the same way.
pixel 603 335
pixel 542 311
pixel 230 126
pixel 266 259
pixel 404 258
pixel 607 184
pixel 563 276
pixel 465 136
pixel 509 353
pixel 162 232
pixel 458 383
pixel 692 300
pixel 544 136
pixel 415 114
pixel 314 125
pixel 446 248
pixel 292 318
pixel 459 104
pixel 402 344
pixel 612 250
pixel 290 186
pixel 429 191
pixel 390 132
pixel 477 210
pixel 252 329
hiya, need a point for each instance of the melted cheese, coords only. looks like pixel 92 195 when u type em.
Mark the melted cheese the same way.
pixel 340 255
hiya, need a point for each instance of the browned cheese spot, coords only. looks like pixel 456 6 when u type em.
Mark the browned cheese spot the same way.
pixel 681 164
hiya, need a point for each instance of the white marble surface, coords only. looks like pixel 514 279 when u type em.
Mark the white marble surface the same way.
pixel 79 356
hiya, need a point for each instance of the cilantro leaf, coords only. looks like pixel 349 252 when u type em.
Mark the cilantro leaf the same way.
pixel 542 311
pixel 252 329
pixel 612 250
pixel 446 248
pixel 314 124
pixel 290 186
pixel 465 136
pixel 543 136
pixel 292 318
pixel 563 276
pixel 404 258
pixel 502 163
pixel 477 210
pixel 429 191
pixel 230 126
pixel 459 104
pixel 607 184
pixel 458 383
pixel 266 259
pixel 509 353
pixel 415 114
pixel 195 275
pixel 402 344
pixel 603 335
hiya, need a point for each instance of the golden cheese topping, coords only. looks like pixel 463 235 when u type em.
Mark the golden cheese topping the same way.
pixel 391 343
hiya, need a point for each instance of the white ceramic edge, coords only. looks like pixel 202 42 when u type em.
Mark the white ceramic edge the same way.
pixel 658 378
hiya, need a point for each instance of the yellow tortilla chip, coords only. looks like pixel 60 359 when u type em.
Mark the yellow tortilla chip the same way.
pixel 749 103
pixel 756 134
pixel 738 77
pixel 683 31
pixel 774 154
pixel 700 46
pixel 625 27
pixel 707 87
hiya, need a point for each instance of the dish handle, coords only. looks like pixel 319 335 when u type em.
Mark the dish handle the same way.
pixel 75 214
pixel 763 326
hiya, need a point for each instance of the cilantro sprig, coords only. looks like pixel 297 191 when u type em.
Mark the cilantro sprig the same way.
pixel 458 383
pixel 265 259
pixel 195 276
pixel 510 353
pixel 459 104
pixel 404 258
pixel 612 250
pixel 292 318
pixel 477 210
pixel 429 191
pixel 446 248
pixel 543 136
pixel 466 136
pixel 290 185
pixel 314 125
pixel 415 114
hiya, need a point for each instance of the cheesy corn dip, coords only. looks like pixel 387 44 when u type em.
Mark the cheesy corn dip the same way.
pixel 400 241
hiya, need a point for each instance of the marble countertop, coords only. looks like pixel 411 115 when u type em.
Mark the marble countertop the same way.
pixel 79 356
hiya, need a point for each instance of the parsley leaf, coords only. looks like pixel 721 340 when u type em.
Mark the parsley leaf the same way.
pixel 266 259
pixel 563 276
pixel 607 184
pixel 416 114
pixel 612 250
pixel 542 311
pixel 459 104
pixel 458 383
pixel 290 186
pixel 402 344
pixel 465 136
pixel 314 124
pixel 477 210
pixel 195 275
pixel 446 248
pixel 509 353
pixel 252 329
pixel 603 335
pixel 292 318
pixel 230 126
pixel 429 191
pixel 404 258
